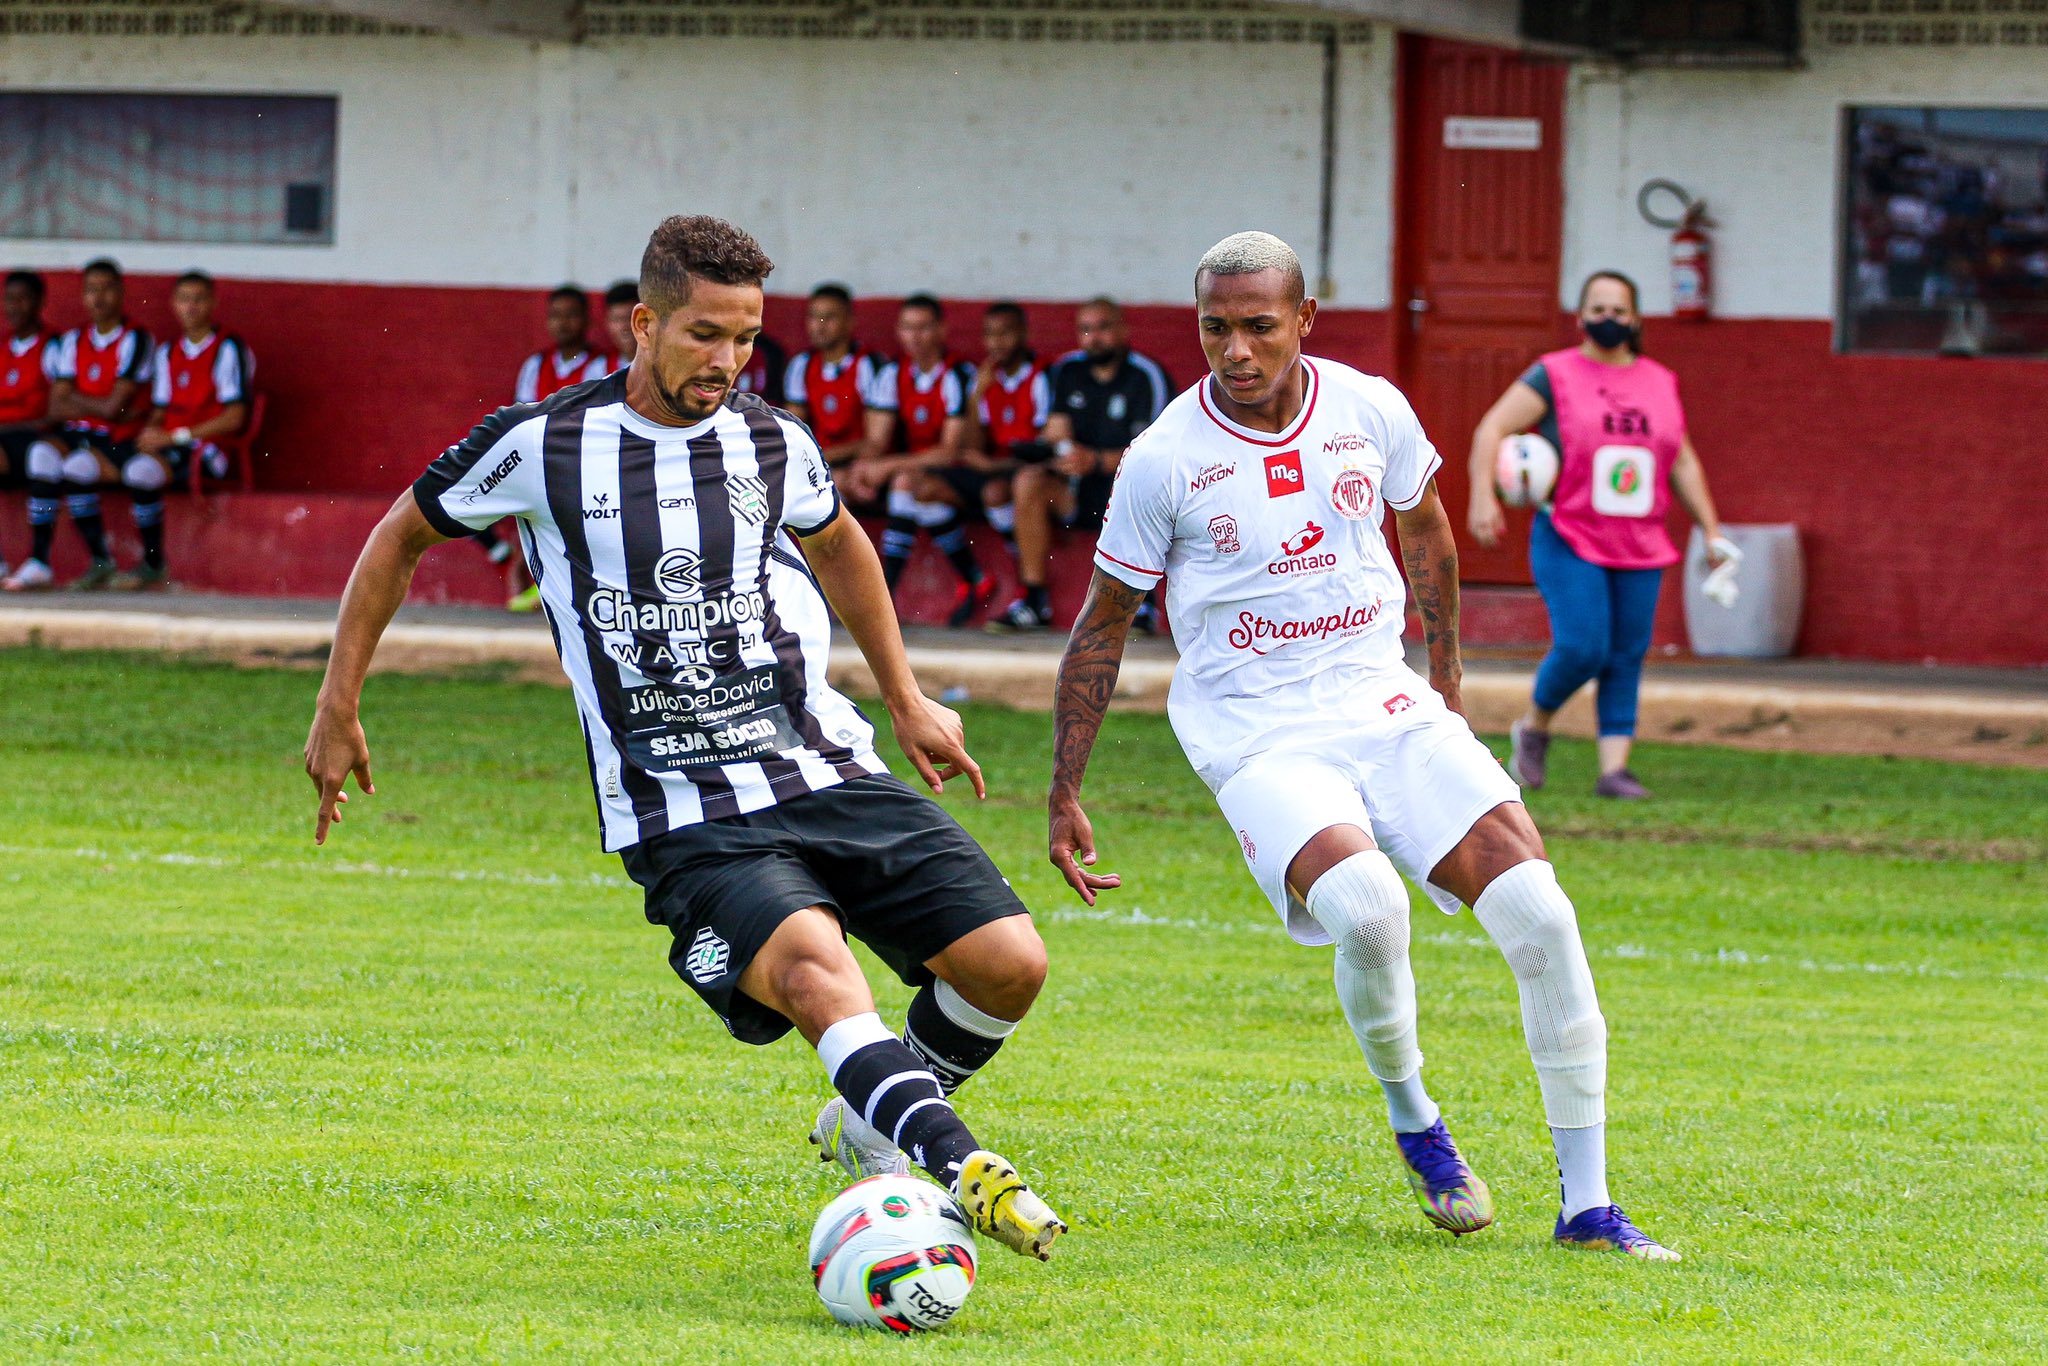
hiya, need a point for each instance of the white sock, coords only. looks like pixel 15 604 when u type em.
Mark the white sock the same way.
pixel 1582 1167
pixel 1363 904
pixel 1409 1108
pixel 1531 920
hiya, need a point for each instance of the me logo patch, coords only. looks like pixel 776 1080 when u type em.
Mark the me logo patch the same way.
pixel 708 956
pixel 1283 474
pixel 1398 703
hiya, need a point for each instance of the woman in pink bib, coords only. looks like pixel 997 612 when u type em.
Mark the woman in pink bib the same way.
pixel 1598 549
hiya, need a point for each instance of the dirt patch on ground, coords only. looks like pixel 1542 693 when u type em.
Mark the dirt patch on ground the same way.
pixel 1957 726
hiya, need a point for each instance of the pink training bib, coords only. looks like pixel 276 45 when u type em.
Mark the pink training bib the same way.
pixel 1619 428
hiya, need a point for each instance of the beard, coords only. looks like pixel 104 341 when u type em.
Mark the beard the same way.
pixel 684 404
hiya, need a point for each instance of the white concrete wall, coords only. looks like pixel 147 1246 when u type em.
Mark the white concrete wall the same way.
pixel 1040 170
pixel 1764 149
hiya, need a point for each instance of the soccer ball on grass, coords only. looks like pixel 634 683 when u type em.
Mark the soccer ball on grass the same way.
pixel 893 1252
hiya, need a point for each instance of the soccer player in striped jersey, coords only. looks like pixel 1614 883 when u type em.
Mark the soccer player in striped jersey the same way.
pixel 200 395
pixel 25 429
pixel 919 422
pixel 99 391
pixel 687 539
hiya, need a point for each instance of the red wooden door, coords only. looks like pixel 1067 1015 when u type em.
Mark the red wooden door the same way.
pixel 1477 251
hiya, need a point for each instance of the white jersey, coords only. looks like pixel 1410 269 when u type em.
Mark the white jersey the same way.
pixel 1286 602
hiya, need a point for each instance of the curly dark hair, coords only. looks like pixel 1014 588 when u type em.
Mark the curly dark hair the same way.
pixel 700 245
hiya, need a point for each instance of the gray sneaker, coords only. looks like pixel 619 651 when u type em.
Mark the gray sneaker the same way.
pixel 99 576
pixel 1622 784
pixel 1530 762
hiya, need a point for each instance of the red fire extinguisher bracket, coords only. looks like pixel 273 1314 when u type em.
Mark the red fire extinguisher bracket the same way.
pixel 1691 251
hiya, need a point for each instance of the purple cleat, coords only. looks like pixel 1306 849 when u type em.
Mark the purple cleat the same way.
pixel 1620 784
pixel 1605 1228
pixel 1530 761
pixel 1451 1195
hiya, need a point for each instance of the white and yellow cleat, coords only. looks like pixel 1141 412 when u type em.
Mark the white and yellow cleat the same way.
pixel 1003 1207
pixel 844 1137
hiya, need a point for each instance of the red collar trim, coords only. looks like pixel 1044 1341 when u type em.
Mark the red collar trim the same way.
pixel 1287 438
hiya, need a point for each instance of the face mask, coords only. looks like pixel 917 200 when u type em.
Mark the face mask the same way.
pixel 1608 333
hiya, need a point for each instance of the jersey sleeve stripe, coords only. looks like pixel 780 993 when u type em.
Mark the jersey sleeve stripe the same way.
pixel 1102 555
pixel 1421 485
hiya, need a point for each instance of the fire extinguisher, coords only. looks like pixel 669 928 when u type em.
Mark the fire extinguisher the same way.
pixel 1692 250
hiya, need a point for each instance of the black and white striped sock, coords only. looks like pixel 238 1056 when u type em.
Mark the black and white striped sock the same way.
pixel 890 1087
pixel 954 1038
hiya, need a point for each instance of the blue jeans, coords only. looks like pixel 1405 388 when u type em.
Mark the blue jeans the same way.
pixel 1600 622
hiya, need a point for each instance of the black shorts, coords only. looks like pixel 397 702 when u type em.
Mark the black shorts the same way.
pixel 897 869
pixel 14 454
pixel 1091 502
pixel 967 485
pixel 116 451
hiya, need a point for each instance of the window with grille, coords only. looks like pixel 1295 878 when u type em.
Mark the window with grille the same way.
pixel 118 167
pixel 1946 239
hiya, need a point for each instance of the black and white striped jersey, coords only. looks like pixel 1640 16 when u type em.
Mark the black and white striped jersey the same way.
pixel 692 632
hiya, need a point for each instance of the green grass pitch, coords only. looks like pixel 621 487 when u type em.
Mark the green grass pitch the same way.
pixel 433 1094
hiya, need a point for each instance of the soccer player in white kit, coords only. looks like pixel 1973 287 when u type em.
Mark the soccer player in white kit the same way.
pixel 1259 496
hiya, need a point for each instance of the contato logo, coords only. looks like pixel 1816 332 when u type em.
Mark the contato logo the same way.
pixel 1295 557
pixel 1263 635
pixel 493 479
pixel 1283 474
pixel 1213 474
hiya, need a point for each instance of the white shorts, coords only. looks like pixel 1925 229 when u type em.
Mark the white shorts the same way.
pixel 1417 782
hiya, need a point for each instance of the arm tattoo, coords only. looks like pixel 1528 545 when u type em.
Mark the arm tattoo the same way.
pixel 1087 675
pixel 1433 574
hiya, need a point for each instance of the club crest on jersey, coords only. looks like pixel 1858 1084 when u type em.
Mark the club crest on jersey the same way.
pixel 1283 474
pixel 749 497
pixel 1351 495
pixel 708 956
pixel 1212 474
pixel 678 573
pixel 1223 531
pixel 1296 556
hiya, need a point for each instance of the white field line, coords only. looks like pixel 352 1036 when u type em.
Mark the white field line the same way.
pixel 1134 916
pixel 321 867
pixel 1138 917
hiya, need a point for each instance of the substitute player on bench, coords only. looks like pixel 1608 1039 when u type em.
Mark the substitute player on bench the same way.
pixel 99 390
pixel 1259 497
pixel 201 396
pixel 743 794
pixel 25 385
